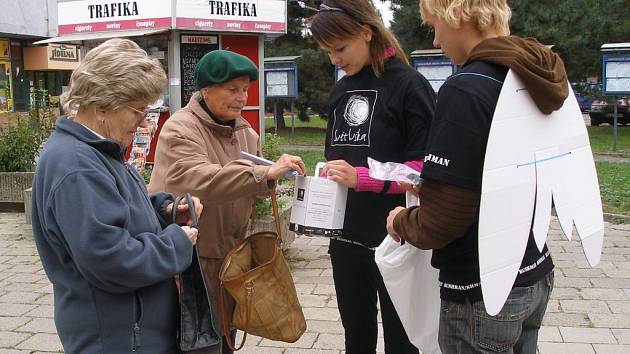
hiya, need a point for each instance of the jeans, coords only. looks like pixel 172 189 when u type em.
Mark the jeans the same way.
pixel 467 327
pixel 357 283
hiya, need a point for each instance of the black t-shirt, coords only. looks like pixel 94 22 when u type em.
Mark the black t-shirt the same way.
pixel 386 118
pixel 455 155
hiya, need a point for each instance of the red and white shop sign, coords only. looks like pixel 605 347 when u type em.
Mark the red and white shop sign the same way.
pixel 262 16
pixel 110 15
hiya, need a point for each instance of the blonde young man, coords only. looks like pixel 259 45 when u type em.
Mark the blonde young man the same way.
pixel 475 35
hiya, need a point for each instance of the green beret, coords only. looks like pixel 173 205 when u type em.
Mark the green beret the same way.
pixel 219 66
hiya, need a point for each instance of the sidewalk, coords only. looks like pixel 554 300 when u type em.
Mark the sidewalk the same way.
pixel 589 311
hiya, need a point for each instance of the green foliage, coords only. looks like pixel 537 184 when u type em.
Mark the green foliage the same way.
pixel 614 179
pixel 601 140
pixel 263 207
pixel 408 28
pixel 20 142
pixel 576 28
pixel 271 147
pixel 146 174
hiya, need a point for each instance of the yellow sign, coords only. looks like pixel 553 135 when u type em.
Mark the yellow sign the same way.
pixel 4 49
pixel 63 52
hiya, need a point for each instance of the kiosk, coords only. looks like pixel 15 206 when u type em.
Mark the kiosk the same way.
pixel 178 33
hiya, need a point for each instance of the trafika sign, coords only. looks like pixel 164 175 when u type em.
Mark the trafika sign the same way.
pixel 103 15
pixel 267 16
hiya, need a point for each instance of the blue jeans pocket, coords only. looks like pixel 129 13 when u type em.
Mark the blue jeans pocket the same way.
pixel 499 333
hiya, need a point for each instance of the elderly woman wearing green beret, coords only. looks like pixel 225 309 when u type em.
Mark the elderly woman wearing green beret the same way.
pixel 198 151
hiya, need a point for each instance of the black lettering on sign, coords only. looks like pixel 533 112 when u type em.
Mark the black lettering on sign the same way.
pixel 189 54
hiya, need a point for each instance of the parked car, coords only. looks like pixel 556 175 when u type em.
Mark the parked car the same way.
pixel 602 111
pixel 584 101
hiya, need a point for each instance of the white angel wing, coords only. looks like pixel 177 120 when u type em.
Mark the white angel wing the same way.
pixel 532 159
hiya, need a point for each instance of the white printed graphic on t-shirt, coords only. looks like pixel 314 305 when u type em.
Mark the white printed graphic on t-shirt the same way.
pixel 354 128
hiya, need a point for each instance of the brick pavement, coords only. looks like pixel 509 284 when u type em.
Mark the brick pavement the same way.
pixel 589 311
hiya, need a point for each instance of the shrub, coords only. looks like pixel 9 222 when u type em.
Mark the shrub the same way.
pixel 20 142
pixel 270 151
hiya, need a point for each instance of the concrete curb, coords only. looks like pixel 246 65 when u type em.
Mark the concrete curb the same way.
pixel 617 218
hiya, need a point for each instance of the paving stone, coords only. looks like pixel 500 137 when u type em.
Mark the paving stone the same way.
pixel 45 299
pixel 39 325
pixel 584 306
pixel 304 288
pixel 42 311
pixel 322 314
pixel 567 319
pixel 611 283
pixel 587 335
pixel 258 350
pixel 15 309
pixel 549 334
pixel 611 349
pixel 43 342
pixel 565 282
pixel 11 339
pixel 603 294
pixel 583 273
pixel 324 289
pixel 622 335
pixel 10 323
pixel 565 293
pixel 313 300
pixel 330 341
pixel 14 351
pixel 553 306
pixel 310 351
pixel 619 306
pixel 609 321
pixel 19 297
pixel 330 327
pixel 306 341
pixel 565 348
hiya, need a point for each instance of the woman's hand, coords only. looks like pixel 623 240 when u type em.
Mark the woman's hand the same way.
pixel 390 223
pixel 341 172
pixel 285 164
pixel 191 233
pixel 183 216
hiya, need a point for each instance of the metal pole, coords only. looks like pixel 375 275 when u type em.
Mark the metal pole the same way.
pixel 275 116
pixel 615 125
pixel 292 124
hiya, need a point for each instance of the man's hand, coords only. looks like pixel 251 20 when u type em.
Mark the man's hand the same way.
pixel 390 223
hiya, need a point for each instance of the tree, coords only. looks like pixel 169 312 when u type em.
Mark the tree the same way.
pixel 576 28
pixel 313 82
pixel 407 26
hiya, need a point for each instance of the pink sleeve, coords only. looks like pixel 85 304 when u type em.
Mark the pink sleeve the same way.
pixel 365 183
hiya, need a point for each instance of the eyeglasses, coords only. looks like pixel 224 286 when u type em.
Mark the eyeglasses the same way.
pixel 143 114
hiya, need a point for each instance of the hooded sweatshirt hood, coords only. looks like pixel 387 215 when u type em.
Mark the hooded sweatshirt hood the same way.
pixel 537 66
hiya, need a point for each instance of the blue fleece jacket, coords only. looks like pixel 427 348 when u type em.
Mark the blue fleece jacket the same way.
pixel 106 248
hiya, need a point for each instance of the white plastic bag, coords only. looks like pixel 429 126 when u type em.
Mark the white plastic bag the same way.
pixel 412 284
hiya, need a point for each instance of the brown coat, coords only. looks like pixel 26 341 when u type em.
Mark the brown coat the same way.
pixel 196 155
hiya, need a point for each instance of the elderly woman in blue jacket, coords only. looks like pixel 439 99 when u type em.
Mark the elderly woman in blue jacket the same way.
pixel 109 249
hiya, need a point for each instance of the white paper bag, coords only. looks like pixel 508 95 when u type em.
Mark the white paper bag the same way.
pixel 412 284
pixel 319 206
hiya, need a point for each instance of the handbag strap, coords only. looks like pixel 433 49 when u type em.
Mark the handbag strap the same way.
pixel 276 214
pixel 191 208
pixel 249 288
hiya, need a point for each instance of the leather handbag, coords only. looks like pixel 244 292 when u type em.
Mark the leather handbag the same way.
pixel 256 275
pixel 196 333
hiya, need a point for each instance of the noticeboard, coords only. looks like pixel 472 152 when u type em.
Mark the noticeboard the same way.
pixel 435 71
pixel 192 48
pixel 616 75
pixel 281 80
